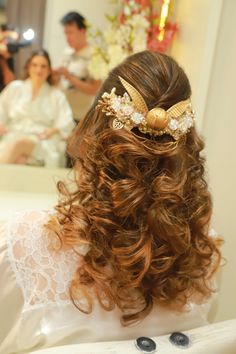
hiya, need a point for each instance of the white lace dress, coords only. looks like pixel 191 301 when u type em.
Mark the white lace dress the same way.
pixel 35 308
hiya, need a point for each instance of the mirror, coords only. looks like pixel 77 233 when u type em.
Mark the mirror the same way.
pixel 34 24
pixel 194 38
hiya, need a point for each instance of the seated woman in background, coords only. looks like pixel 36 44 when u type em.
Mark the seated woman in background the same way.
pixel 35 117
pixel 128 251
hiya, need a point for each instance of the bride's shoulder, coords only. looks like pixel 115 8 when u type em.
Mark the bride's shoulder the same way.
pixel 36 261
pixel 30 216
pixel 27 223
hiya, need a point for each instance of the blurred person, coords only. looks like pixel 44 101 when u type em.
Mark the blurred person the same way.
pixel 6 60
pixel 8 35
pixel 35 117
pixel 128 252
pixel 6 75
pixel 73 73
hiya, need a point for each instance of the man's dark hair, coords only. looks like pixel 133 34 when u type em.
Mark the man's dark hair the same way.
pixel 74 17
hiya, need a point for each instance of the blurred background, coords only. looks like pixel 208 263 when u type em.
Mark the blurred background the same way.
pixel 200 35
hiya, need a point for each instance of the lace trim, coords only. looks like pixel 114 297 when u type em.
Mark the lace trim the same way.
pixel 43 274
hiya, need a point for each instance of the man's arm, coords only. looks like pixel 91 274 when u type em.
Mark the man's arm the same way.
pixel 89 87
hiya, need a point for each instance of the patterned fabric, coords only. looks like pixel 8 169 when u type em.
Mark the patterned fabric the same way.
pixel 42 273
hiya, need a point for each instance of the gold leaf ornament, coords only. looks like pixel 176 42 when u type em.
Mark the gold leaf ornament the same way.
pixel 130 110
pixel 179 108
pixel 135 96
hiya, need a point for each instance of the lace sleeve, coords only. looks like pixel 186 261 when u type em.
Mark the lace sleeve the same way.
pixel 42 273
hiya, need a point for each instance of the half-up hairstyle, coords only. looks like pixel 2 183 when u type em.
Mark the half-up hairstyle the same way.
pixel 140 203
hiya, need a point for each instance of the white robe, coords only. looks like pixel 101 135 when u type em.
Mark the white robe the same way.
pixel 25 117
pixel 35 307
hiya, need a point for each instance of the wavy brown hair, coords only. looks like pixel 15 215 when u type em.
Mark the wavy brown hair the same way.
pixel 140 203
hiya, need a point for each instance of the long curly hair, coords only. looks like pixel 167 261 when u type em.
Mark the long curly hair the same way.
pixel 139 203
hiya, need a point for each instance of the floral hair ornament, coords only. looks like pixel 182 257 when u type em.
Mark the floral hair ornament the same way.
pixel 130 110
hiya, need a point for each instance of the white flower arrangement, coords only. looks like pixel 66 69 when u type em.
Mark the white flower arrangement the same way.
pixel 119 40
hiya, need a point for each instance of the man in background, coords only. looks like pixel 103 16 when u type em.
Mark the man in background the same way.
pixel 73 75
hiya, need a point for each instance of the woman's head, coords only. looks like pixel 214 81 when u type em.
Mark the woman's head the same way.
pixel 157 77
pixel 141 203
pixel 38 66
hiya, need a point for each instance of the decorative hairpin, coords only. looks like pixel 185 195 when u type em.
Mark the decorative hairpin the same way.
pixel 130 110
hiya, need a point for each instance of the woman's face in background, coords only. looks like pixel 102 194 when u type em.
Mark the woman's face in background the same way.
pixel 39 68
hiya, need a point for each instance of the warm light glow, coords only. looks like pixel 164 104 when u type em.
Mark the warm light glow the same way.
pixel 29 34
pixel 163 17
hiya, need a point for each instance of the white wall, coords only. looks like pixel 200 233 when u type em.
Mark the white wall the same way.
pixel 194 45
pixel 219 128
pixel 206 48
pixel 93 10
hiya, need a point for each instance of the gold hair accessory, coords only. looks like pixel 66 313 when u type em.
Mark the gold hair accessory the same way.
pixel 130 110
